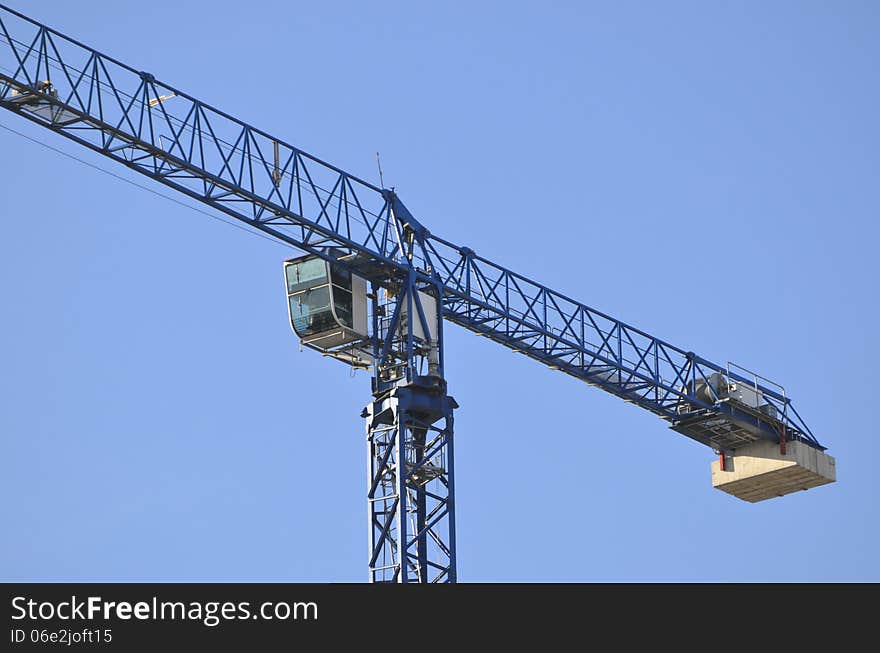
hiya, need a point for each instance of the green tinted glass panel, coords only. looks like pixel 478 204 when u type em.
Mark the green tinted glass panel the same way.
pixel 310 311
pixel 306 274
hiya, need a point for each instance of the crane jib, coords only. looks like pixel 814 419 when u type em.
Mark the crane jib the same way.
pixel 162 132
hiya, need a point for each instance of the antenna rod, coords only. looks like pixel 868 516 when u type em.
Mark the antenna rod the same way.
pixel 379 163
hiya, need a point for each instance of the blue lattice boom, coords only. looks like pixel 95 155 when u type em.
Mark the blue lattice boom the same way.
pixel 162 132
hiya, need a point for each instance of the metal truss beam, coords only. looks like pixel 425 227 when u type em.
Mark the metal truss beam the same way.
pixel 162 132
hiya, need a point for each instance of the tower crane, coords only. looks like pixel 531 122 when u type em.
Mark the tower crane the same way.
pixel 374 287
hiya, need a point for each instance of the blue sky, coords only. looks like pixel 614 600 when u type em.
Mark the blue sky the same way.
pixel 706 171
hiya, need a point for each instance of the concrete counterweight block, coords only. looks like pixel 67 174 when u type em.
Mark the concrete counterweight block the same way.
pixel 758 471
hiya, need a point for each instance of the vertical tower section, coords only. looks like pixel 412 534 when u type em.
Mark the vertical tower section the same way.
pixel 410 494
pixel 410 434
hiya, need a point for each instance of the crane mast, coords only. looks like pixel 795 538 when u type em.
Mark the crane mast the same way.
pixel 375 287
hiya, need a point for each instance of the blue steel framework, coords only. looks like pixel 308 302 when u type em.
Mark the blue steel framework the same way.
pixel 410 493
pixel 159 131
